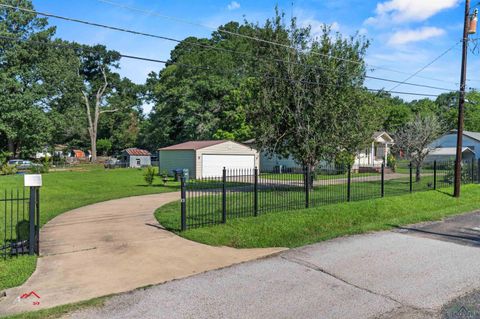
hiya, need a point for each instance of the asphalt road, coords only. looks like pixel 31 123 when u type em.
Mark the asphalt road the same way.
pixel 381 275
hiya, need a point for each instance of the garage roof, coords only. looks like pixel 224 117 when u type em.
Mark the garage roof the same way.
pixel 473 135
pixel 451 151
pixel 192 145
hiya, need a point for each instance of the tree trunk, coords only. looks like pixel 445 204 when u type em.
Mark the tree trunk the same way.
pixel 418 175
pixel 93 142
pixel 11 148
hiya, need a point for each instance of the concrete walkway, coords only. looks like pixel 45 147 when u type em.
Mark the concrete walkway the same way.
pixel 381 275
pixel 113 247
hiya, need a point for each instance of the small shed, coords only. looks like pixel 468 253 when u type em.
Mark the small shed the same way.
pixel 135 157
pixel 207 158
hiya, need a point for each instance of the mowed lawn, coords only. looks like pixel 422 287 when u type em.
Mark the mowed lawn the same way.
pixel 63 191
pixel 204 200
pixel 305 226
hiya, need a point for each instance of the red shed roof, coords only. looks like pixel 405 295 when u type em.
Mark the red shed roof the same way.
pixel 79 154
pixel 137 152
pixel 192 145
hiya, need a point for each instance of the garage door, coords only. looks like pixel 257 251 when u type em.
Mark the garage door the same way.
pixel 212 165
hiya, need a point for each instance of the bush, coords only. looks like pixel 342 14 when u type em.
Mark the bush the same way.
pixel 449 177
pixel 4 157
pixel 149 175
pixel 8 169
pixel 43 167
pixel 104 146
pixel 392 162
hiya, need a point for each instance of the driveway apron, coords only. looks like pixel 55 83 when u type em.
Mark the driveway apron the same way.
pixel 113 247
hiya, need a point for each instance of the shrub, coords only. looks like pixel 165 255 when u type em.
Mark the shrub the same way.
pixel 43 167
pixel 392 162
pixel 449 177
pixel 4 157
pixel 8 169
pixel 149 175
pixel 104 146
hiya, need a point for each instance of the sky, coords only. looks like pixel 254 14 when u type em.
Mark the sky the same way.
pixel 405 35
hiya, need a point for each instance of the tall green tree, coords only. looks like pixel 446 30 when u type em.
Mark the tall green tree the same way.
pixel 96 73
pixel 122 127
pixel 198 94
pixel 310 102
pixel 31 79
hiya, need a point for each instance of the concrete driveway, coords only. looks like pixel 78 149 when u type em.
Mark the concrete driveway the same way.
pixel 113 247
pixel 380 275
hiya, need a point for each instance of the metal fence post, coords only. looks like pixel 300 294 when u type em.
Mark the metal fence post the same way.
pixel 255 193
pixel 411 177
pixel 383 180
pixel 31 221
pixel 349 183
pixel 183 203
pixel 473 171
pixel 478 171
pixel 307 186
pixel 224 196
pixel 37 227
pixel 435 175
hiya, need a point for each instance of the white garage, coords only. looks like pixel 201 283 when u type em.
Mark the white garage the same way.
pixel 207 158
pixel 212 164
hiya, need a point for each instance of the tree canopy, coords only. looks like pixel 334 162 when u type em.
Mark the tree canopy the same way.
pixel 304 97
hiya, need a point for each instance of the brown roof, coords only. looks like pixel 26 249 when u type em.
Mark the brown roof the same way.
pixel 192 145
pixel 137 152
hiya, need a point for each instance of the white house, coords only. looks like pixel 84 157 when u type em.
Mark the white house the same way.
pixel 372 156
pixel 376 153
pixel 207 158
pixel 444 147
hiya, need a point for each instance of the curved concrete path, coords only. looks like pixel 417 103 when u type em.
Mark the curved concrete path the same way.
pixel 113 247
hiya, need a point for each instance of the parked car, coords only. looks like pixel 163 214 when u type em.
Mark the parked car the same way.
pixel 21 164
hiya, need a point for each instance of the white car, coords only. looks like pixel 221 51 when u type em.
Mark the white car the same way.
pixel 22 164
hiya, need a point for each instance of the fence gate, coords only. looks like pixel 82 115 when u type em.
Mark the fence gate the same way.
pixel 19 222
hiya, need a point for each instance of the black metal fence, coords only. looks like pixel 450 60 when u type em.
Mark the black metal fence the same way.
pixel 19 222
pixel 249 192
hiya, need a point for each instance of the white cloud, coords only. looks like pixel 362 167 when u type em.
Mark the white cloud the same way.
pixel 398 11
pixel 408 36
pixel 234 5
pixel 317 26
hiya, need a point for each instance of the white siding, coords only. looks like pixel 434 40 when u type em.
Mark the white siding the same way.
pixel 169 160
pixel 227 148
pixel 269 162
pixel 144 161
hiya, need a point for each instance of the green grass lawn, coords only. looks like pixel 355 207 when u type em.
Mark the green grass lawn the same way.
pixel 63 191
pixel 317 177
pixel 206 208
pixel 301 227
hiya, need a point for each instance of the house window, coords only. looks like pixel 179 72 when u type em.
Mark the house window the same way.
pixel 138 162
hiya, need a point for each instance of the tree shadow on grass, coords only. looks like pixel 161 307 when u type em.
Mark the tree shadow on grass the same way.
pixel 160 186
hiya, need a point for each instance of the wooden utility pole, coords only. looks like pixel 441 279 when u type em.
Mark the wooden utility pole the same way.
pixel 461 103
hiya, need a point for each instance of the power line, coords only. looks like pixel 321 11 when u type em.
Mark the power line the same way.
pixel 156 14
pixel 427 65
pixel 207 46
pixel 63 46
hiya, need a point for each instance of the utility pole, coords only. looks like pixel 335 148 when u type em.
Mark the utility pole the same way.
pixel 468 28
